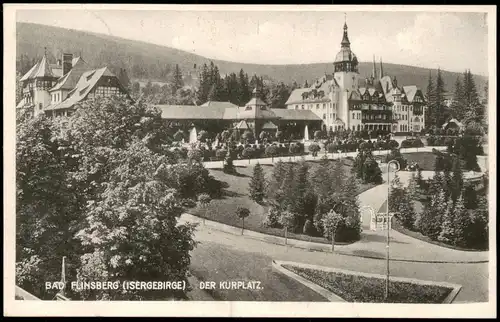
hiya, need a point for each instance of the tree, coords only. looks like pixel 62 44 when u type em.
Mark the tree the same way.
pixel 457 106
pixel 202 136
pixel 275 183
pixel 440 109
pixel 257 184
pixel 287 220
pixel 429 222
pixel 430 97
pixel 203 201
pixel 314 149
pixel 106 166
pixel 248 136
pixel 457 180
pixel 242 213
pixel 461 223
pixel 124 79
pixel 448 233
pixel 271 151
pixel 371 171
pixel 331 222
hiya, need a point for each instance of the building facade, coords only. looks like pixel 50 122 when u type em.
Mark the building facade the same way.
pixel 54 89
pixel 343 101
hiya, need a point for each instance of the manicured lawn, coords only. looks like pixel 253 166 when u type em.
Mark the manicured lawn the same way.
pixel 357 288
pixel 214 262
pixel 236 195
pixel 425 160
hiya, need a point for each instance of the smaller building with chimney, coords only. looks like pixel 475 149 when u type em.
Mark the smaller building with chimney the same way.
pixel 54 89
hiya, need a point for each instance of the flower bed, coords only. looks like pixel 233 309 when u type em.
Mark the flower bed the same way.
pixel 360 288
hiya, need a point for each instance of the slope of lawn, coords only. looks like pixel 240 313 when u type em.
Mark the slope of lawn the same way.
pixel 214 262
pixel 236 195
pixel 425 160
pixel 358 288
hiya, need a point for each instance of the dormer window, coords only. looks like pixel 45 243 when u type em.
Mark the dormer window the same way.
pixel 248 108
pixel 262 107
pixel 90 76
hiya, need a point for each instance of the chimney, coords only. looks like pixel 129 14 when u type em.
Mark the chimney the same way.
pixel 67 63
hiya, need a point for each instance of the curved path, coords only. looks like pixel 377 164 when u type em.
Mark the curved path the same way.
pixel 472 277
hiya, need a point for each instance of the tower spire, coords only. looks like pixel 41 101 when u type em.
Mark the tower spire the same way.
pixel 345 39
pixel 374 70
pixel 381 68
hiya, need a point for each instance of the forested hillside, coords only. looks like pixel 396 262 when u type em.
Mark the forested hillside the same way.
pixel 146 61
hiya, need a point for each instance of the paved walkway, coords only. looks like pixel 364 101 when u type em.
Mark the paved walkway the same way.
pixel 308 157
pixel 473 277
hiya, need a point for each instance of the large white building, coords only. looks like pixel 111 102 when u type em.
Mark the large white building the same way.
pixel 342 103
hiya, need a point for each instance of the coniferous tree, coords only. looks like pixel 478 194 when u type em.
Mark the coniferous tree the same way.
pixel 458 107
pixel 177 82
pixel 448 234
pixel 429 117
pixel 440 108
pixel 257 184
pixel 461 223
pixel 457 179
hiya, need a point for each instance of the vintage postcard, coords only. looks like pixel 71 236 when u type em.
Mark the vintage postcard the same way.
pixel 296 161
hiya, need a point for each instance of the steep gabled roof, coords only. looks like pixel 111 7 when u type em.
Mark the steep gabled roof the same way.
pixel 30 73
pixel 70 80
pixel 85 84
pixel 410 92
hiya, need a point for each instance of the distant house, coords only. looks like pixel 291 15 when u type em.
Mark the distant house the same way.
pixel 54 89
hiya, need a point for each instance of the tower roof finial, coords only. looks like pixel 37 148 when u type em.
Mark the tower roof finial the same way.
pixel 345 39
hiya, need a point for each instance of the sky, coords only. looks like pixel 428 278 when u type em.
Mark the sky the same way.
pixel 451 41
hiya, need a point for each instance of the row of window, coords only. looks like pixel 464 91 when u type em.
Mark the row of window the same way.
pixel 333 116
pixel 56 97
pixel 376 117
pixel 45 84
pixel 310 106
pixel 401 117
pixel 356 116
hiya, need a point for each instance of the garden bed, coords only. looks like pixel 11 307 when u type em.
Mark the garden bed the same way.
pixel 370 288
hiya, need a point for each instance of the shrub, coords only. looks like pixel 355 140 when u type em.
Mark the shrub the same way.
pixel 396 155
pixel 308 228
pixel 228 165
pixel 314 149
pixel 407 144
pixel 179 136
pixel 248 152
pixel 202 136
pixel 248 137
pixel 417 143
pixel 220 154
pixel 273 218
pixel 195 155
pixel 271 151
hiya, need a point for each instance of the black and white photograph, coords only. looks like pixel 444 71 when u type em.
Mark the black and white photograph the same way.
pixel 189 160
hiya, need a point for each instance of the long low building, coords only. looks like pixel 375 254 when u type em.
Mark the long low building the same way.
pixel 255 116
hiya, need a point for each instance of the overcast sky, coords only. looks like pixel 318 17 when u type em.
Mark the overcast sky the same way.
pixel 452 41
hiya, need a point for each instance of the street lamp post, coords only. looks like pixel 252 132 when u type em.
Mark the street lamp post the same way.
pixel 388 223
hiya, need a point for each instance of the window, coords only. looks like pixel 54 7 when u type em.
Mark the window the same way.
pixel 107 91
pixel 324 105
pixel 317 106
pixel 324 116
pixel 302 106
pixel 296 107
pixel 353 115
pixel 411 108
pixel 40 106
